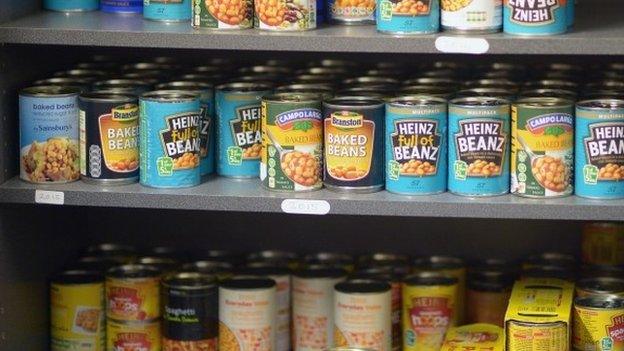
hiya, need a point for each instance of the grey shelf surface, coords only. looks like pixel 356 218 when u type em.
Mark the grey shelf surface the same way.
pixel 599 31
pixel 224 194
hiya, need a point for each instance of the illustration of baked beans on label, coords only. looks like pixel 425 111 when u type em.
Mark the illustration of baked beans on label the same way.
pixel 604 149
pixel 415 149
pixel 181 143
pixel 225 14
pixel 285 14
pixel 246 132
pixel 349 145
pixel 119 135
pixel 481 146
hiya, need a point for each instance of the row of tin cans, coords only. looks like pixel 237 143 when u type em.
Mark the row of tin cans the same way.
pixel 172 11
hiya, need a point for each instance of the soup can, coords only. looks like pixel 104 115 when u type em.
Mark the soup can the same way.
pixel 472 16
pixel 598 323
pixel 599 286
pixel 131 336
pixel 109 138
pixel 71 5
pixel 351 12
pixel 289 15
pixel 167 11
pixel 221 14
pixel 170 139
pixel 292 142
pixel 599 149
pixel 478 138
pixel 133 293
pixel 535 18
pixel 602 243
pixel 408 17
pixel 239 132
pixel 121 6
pixel 49 134
pixel 354 144
pixel 416 145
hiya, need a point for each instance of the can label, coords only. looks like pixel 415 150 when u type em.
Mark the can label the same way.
pixel 363 320
pixel 352 11
pixel 472 15
pixel 206 133
pixel 77 317
pixel 397 305
pixel 133 336
pixel 476 337
pixel 536 337
pixel 407 16
pixel 71 5
pixel 603 244
pixel 598 329
pixel 283 287
pixel 132 299
pixel 124 6
pixel 222 14
pixel 291 15
pixel 167 10
pixel 535 17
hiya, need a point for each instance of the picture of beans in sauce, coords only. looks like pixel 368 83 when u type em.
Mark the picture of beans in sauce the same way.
pixel 454 5
pixel 368 5
pixel 276 12
pixel 188 160
pixel 611 172
pixel 252 151
pixel 368 340
pixel 125 165
pixel 480 168
pixel 227 339
pixel 198 345
pixel 301 167
pixel 88 319
pixel 54 160
pixel 232 12
pixel 347 172
pixel 551 173
pixel 313 332
pixel 410 7
pixel 416 167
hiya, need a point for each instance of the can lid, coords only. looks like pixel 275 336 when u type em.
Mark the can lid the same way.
pixel 438 262
pixel 602 285
pixel 601 302
pixel 601 104
pixel 108 96
pixel 131 271
pixel 247 283
pixel 262 269
pixel 328 257
pixel 244 87
pixel 385 273
pixel 76 276
pixel 50 91
pixel 430 279
pixel 479 101
pixel 189 281
pixel 545 102
pixel 119 82
pixel 362 286
pixel 354 101
pixel 185 85
pixel 206 266
pixel 111 249
pixel 417 100
pixel 321 271
pixel 171 96
pixel 293 97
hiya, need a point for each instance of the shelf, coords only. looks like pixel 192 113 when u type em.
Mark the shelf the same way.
pixel 599 31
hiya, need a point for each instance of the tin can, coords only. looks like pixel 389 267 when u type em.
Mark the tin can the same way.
pixel 190 306
pixel 487 296
pixel 602 243
pixel 292 142
pixel 133 293
pixel 99 264
pixel 600 286
pixel 590 271
pixel 353 144
pixel 331 259
pixel 164 265
pixel 548 92
pixel 399 263
pixel 362 314
pixel 313 307
pixel 167 11
pixel 297 15
pixel 275 257
pixel 48 119
pixel 222 270
pixel 476 16
pixel 535 18
pixel 478 158
pixel 429 90
pixel 131 336
pixel 407 17
pixel 416 145
pixel 550 272
pixel 487 92
pixel 542 147
pixel 239 135
pixel 537 336
pixel 72 83
pixel 552 84
pixel 170 139
pixel 429 303
pixel 325 92
pixel 345 12
pixel 599 149
pixel 130 86
pixel 77 311
pixel 71 5
pixel 213 14
pixel 598 323
pixel 85 74
pixel 109 138
pixel 247 316
pixel 121 6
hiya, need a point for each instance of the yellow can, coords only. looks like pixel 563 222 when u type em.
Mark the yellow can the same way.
pixel 599 323
pixel 603 243
pixel 133 293
pixel 526 336
pixel 132 336
pixel 77 312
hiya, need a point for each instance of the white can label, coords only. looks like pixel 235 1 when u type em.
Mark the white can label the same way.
pixel 363 320
pixel 475 14
pixel 283 311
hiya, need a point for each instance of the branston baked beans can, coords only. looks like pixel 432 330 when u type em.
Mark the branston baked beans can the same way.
pixel 416 145
pixel 602 243
pixel 599 149
pixel 354 144
pixel 472 16
pixel 247 314
pixel 598 323
pixel 132 336
pixel 408 17
pixel 133 293
pixel 531 18
pixel 288 15
pixel 352 12
pixel 478 138
pixel 292 140
pixel 600 286
pixel 77 311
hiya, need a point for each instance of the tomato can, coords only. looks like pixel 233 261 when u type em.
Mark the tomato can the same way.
pixel 167 11
pixel 213 14
pixel 133 293
pixel 600 286
pixel 472 16
pixel 602 243
pixel 598 323
pixel 132 336
pixel 408 17
pixel 351 12
pixel 71 5
pixel 535 18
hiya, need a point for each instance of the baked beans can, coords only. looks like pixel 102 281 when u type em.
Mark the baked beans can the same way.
pixel 598 323
pixel 478 159
pixel 190 306
pixel 71 5
pixel 292 142
pixel 600 286
pixel 599 149
pixel 129 86
pixel 354 144
pixel 239 128
pixel 472 16
pixel 487 296
pixel 49 134
pixel 602 243
pixel 296 15
pixel 121 6
pixel 536 18
pixel 429 303
pixel 99 264
pixel 131 336
pixel 247 314
pixel 362 314
pixel 548 92
pixel 169 139
pixel 590 271
pixel 109 138
pixel 82 84
pixel 351 12
pixel 479 336
pixel 133 293
pixel 213 14
pixel 416 145
pixel 167 11
pixel 112 250
pixel 487 92
pixel 313 307
pixel 77 311
pixel 408 17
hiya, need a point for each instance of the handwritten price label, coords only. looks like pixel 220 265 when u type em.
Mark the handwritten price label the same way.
pixel 310 207
pixel 49 197
pixel 461 45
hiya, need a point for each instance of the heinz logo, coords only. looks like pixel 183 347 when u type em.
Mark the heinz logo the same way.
pixel 533 11
pixel 347 120
pixel 286 119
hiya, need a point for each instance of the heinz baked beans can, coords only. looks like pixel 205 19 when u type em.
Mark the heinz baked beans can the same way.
pixel 170 139
pixel 167 11
pixel 599 149
pixel 247 314
pixel 131 336
pixel 133 293
pixel 416 145
pixel 71 5
pixel 292 140
pixel 598 323
pixel 602 243
pixel 478 161
pixel 221 14
pixel 291 15
pixel 535 18
pixel 354 143
pixel 352 12
pixel 408 17
pixel 472 16
pixel 121 6
pixel 600 286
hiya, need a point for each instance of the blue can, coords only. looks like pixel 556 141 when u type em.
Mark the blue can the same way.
pixel 167 10
pixel 239 134
pixel 571 12
pixel 170 141
pixel 320 12
pixel 479 146
pixel 531 18
pixel 121 6
pixel 416 145
pixel 599 149
pixel 393 18
pixel 71 5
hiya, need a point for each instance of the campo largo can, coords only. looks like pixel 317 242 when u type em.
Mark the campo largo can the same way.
pixel 472 16
pixel 354 128
pixel 121 6
pixel 291 15
pixel 478 161
pixel 599 149
pixel 167 10
pixel 547 17
pixel 109 138
pixel 598 323
pixel 222 14
pixel 352 11
pixel 49 134
pixel 405 17
pixel 170 139
pixel 416 145
pixel 239 135
pixel 542 147
pixel 133 293
pixel 602 243
pixel 132 336
pixel 77 311
pixel 71 5
pixel 292 142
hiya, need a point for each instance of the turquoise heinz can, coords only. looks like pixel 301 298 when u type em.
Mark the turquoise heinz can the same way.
pixel 570 13
pixel 169 139
pixel 599 149
pixel 167 10
pixel 408 17
pixel 535 18
pixel 479 146
pixel 238 125
pixel 71 5
pixel 416 145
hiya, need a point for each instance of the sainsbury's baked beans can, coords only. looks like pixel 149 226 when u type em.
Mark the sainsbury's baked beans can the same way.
pixel 133 293
pixel 535 18
pixel 602 243
pixel 416 145
pixel 121 6
pixel 599 149
pixel 167 10
pixel 408 17
pixel 351 12
pixel 354 128
pixel 598 323
pixel 131 336
pixel 479 139
pixel 600 286
pixel 472 16
pixel 220 14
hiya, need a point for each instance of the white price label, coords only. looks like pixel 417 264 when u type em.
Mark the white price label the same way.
pixel 462 45
pixel 49 197
pixel 310 207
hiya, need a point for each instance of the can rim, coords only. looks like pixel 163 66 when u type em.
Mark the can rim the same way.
pixel 244 87
pixel 169 96
pixel 544 102
pixel 139 271
pixel 247 283
pixel 363 286
pixel 177 281
pixel 482 101
pixel 430 278
pixel 108 96
pixel 591 104
pixel 50 91
pixel 422 100
pixel 607 302
pixel 359 101
pixel 293 97
pixel 185 85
